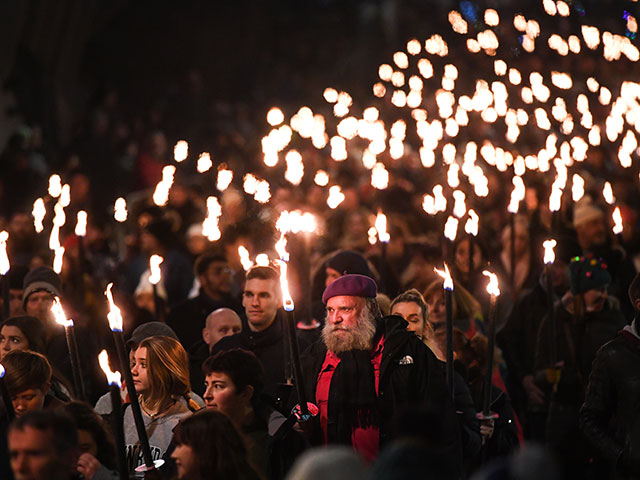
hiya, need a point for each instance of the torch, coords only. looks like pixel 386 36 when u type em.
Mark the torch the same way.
pixel 120 215
pixel 115 323
pixel 295 352
pixel 448 299
pixel 549 258
pixel 517 195
pixel 617 224
pixel 6 398
pixel 156 275
pixel 471 227
pixel 72 346
pixel 115 384
pixel 81 232
pixel 494 291
pixel 4 270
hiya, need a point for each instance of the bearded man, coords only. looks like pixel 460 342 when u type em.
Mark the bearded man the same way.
pixel 366 369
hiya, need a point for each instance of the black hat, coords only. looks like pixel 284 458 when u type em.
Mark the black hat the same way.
pixel 348 261
pixel 150 329
pixel 41 279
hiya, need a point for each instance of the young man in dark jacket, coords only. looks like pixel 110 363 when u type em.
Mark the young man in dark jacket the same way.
pixel 610 416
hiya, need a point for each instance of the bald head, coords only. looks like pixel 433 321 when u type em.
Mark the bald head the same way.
pixel 220 323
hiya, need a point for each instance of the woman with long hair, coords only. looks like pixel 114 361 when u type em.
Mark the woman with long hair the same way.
pixel 207 445
pixel 161 376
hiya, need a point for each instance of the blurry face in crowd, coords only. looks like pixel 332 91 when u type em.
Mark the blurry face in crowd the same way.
pixel 185 459
pixel 145 301
pixel 221 323
pixel 216 280
pixel 462 256
pixel 347 326
pixel 331 275
pixel 437 311
pixel 12 338
pixel 139 371
pixel 29 400
pixel 39 305
pixel 412 313
pixel 34 456
pixel 592 234
pixel 87 443
pixel 15 302
pixel 261 300
pixel 221 394
pixel 595 299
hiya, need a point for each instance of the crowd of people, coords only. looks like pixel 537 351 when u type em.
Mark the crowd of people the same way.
pixel 543 382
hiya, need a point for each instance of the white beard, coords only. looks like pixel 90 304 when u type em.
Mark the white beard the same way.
pixel 337 339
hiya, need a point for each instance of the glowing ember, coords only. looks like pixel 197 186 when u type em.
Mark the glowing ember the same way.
pixel 446 276
pixel 81 224
pixel 549 255
pixel 39 212
pixel 493 287
pixel 154 267
pixel 114 316
pixel 181 151
pixel 113 378
pixel 204 162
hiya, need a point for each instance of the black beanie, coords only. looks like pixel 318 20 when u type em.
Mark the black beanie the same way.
pixel 348 261
pixel 41 279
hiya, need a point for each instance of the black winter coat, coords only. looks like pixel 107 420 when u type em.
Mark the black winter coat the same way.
pixel 610 416
pixel 410 377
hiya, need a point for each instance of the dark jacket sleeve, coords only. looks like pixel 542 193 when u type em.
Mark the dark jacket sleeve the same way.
pixel 505 437
pixel 599 406
pixel 470 426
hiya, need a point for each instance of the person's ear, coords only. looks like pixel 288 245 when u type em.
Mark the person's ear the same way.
pixel 247 393
pixel 206 336
pixel 637 304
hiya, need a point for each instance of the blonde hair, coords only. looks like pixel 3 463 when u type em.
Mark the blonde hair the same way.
pixel 464 304
pixel 167 371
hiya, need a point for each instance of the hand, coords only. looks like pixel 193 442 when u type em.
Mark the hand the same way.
pixel 535 395
pixel 88 465
pixel 487 426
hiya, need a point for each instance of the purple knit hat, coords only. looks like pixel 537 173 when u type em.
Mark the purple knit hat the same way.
pixel 353 285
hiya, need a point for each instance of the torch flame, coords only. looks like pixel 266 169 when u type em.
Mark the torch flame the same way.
pixel 4 259
pixel 120 210
pixel 617 221
pixel 1 371
pixel 281 248
pixel 451 228
pixel 39 211
pixel 471 226
pixel 517 195
pixel 493 287
pixel 549 255
pixel 81 224
pixel 58 258
pixel 225 176
pixel 296 222
pixel 204 162
pixel 55 185
pixel 154 267
pixel 607 193
pixel 381 227
pixel 262 260
pixel 181 151
pixel 210 225
pixel 113 378
pixel 446 276
pixel 59 314
pixel 114 316
pixel 577 188
pixel 284 286
pixel 244 258
pixel 54 238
